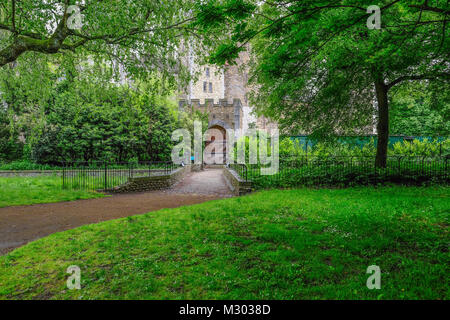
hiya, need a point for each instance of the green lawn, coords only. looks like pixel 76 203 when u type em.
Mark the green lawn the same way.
pixel 292 244
pixel 23 191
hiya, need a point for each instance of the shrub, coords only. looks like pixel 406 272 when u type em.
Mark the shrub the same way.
pixel 25 165
pixel 421 148
pixel 325 150
pixel 342 172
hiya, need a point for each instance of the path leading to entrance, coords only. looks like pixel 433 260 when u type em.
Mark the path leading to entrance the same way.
pixel 206 182
pixel 22 224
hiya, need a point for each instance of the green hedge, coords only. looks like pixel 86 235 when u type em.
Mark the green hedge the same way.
pixel 26 165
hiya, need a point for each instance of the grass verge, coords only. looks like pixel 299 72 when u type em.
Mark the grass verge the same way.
pixel 280 244
pixel 24 191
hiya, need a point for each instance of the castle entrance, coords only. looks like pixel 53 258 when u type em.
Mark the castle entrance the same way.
pixel 215 145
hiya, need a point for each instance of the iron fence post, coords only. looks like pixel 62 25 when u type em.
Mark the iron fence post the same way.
pixel 446 173
pixel 106 176
pixel 423 169
pixel 64 176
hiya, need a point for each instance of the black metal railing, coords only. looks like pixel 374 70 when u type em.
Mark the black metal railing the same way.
pixel 298 171
pixel 105 175
pixel 241 170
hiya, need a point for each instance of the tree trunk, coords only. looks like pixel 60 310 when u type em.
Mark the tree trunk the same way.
pixel 383 123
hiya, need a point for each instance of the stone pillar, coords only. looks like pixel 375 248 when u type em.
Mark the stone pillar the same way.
pixel 237 116
pixel 181 104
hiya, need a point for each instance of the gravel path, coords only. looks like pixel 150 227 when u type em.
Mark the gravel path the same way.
pixel 22 224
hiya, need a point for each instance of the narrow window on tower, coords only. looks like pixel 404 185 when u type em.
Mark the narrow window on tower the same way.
pixel 207 72
pixel 210 87
pixel 204 86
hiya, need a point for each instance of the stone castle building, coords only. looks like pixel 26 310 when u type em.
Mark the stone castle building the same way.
pixel 222 94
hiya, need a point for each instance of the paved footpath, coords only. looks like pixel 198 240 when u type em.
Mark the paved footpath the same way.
pixel 22 224
pixel 206 182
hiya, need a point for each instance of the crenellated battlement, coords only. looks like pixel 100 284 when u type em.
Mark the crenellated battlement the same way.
pixel 209 103
pixel 224 114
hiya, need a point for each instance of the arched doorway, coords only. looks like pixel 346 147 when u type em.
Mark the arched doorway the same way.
pixel 215 145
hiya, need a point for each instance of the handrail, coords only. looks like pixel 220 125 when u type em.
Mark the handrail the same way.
pixel 241 171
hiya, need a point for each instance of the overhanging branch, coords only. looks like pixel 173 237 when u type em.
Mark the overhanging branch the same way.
pixel 431 9
pixel 64 38
pixel 419 77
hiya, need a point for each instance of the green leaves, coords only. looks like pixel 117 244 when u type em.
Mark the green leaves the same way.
pixel 142 35
pixel 210 15
pixel 213 14
pixel 420 108
pixel 70 114
pixel 226 53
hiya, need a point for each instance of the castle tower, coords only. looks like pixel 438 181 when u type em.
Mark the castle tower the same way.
pixel 217 91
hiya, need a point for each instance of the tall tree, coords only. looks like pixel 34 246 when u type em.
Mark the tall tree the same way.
pixel 319 67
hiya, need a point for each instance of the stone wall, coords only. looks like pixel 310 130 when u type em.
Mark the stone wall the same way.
pixel 236 79
pixel 213 81
pixel 160 182
pixel 238 186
